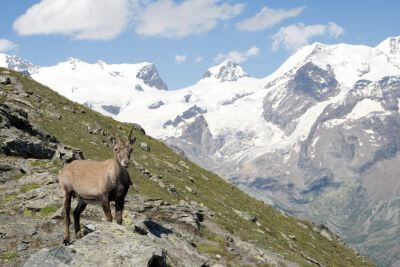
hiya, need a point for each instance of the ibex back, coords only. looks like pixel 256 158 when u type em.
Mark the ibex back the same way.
pixel 97 181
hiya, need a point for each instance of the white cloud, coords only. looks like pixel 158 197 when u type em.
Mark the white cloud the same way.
pixel 198 59
pixel 180 59
pixel 82 19
pixel 266 18
pixel 105 19
pixel 237 56
pixel 297 35
pixel 167 18
pixel 7 45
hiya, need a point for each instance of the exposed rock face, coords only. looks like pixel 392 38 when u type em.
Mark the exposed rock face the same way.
pixel 346 163
pixel 5 80
pixel 139 128
pixel 227 71
pixel 111 109
pixel 187 114
pixel 196 230
pixel 156 105
pixel 18 64
pixel 115 246
pixel 308 86
pixel 68 154
pixel 19 137
pixel 334 151
pixel 150 76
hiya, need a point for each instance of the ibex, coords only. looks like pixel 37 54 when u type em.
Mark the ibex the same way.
pixel 97 181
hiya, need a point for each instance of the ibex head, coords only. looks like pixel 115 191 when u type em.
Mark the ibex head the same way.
pixel 123 150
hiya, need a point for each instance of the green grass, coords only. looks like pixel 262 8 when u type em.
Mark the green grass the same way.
pixel 19 175
pixel 211 249
pixel 28 187
pixel 10 197
pixel 38 163
pixel 208 234
pixel 212 191
pixel 49 209
pixel 28 213
pixel 9 256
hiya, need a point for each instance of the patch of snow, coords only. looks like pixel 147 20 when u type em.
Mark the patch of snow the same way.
pixel 365 107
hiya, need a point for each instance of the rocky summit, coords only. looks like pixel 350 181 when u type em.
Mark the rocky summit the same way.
pixel 176 213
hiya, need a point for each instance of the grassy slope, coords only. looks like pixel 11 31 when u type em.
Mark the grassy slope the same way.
pixel 211 190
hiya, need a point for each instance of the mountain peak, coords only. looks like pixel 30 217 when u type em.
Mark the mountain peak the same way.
pixel 228 70
pixel 16 63
pixel 390 45
pixel 149 74
pixel 73 60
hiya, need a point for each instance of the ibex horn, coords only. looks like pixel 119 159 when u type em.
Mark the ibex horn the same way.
pixel 130 134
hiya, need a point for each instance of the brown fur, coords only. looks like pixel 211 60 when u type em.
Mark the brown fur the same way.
pixel 96 181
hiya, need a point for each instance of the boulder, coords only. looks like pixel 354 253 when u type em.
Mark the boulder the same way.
pixel 68 154
pixel 138 128
pixel 144 146
pixel 111 244
pixel 57 256
pixel 19 137
pixel 5 80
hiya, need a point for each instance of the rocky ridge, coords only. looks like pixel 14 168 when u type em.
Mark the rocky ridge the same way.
pixel 177 214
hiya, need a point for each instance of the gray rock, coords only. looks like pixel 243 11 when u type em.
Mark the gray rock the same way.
pixel 19 137
pixel 59 214
pixel 187 114
pixel 22 246
pixel 113 245
pixel 144 146
pixel 18 64
pixel 156 105
pixel 54 257
pixel 172 189
pixel 235 98
pixel 150 76
pixel 68 154
pixel 191 190
pixel 138 88
pixel 88 228
pixel 138 128
pixel 36 205
pixel 5 80
pixel 111 109
pixel 308 86
pixel 178 150
pixel 187 98
pixel 228 72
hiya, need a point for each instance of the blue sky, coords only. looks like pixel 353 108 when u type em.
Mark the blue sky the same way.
pixel 185 37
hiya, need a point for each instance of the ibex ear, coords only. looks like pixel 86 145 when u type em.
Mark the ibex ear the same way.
pixel 133 140
pixel 113 140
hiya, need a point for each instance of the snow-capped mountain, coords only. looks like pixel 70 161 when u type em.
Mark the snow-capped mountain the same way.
pixel 318 138
pixel 16 63
pixel 226 71
pixel 104 87
pixel 107 88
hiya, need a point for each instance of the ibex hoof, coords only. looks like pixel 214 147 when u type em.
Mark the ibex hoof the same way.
pixel 79 235
pixel 66 242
